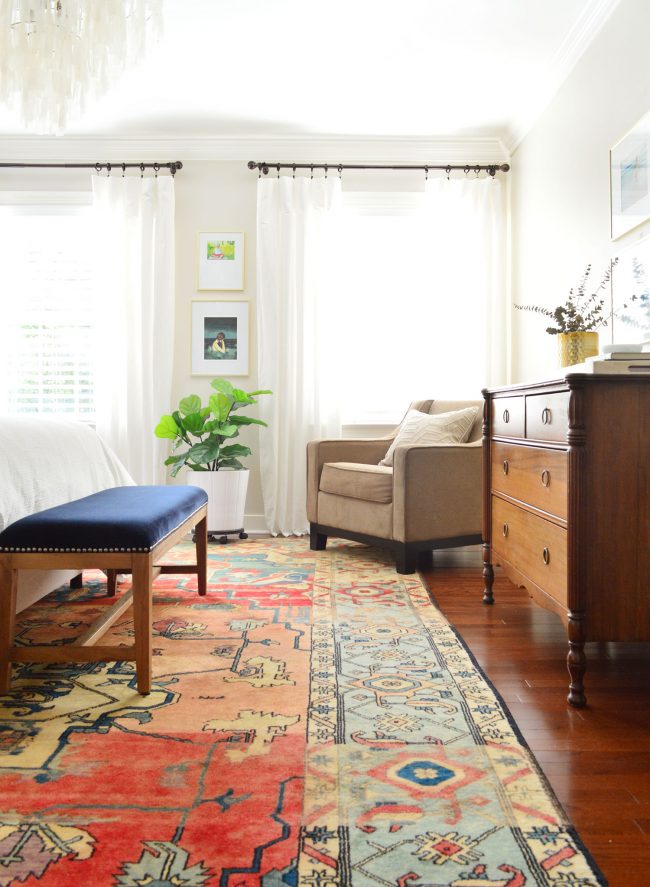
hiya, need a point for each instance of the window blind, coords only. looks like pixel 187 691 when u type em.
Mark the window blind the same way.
pixel 48 311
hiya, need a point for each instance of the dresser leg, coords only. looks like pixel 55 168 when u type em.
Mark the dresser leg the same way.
pixel 488 576
pixel 576 660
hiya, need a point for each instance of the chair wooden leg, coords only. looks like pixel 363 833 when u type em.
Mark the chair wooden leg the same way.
pixel 406 559
pixel 8 590
pixel 142 573
pixel 317 541
pixel 201 542
pixel 111 582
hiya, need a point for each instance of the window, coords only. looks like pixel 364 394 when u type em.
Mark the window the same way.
pixel 47 299
pixel 412 313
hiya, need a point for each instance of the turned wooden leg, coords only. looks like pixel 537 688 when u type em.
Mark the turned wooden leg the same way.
pixel 201 543
pixel 488 576
pixel 576 660
pixel 8 589
pixel 317 541
pixel 77 581
pixel 142 571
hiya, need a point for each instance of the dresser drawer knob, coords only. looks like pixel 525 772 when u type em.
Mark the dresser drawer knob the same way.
pixel 506 415
pixel 506 529
pixel 546 416
pixel 546 477
pixel 546 556
pixel 505 466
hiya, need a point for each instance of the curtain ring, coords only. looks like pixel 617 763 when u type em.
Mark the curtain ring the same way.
pixel 340 168
pixel 448 170
pixel 156 167
pixel 325 170
pixel 278 169
pixel 294 170
pixel 312 170
pixel 98 167
pixel 123 170
pixel 466 170
pixel 108 170
pixel 477 170
pixel 426 173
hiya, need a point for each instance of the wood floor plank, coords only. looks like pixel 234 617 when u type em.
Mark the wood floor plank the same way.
pixel 597 759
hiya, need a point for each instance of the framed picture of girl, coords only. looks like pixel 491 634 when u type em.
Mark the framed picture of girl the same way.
pixel 220 338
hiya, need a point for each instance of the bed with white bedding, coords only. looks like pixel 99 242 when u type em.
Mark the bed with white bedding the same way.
pixel 46 462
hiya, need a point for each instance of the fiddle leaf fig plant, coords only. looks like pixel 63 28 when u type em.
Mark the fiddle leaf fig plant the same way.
pixel 207 431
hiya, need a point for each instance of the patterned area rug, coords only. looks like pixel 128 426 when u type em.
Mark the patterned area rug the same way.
pixel 314 721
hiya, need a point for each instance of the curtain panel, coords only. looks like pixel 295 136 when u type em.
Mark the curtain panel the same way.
pixel 298 355
pixel 135 255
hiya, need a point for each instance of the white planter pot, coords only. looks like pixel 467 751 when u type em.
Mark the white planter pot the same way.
pixel 226 491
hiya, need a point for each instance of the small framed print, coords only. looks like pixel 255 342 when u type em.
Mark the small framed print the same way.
pixel 220 338
pixel 221 261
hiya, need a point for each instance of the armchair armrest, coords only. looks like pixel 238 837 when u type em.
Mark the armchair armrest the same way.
pixel 368 452
pixel 437 491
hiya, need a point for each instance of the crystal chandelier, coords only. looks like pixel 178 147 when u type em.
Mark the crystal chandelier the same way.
pixel 57 55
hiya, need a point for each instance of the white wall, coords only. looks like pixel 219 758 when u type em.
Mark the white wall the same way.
pixel 560 180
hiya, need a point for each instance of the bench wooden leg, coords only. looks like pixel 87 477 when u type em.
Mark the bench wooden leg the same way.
pixel 8 590
pixel 111 582
pixel 142 574
pixel 201 542
pixel 77 581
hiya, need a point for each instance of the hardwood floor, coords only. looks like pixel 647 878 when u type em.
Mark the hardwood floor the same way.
pixel 597 758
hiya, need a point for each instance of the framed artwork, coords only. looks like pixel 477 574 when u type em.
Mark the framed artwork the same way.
pixel 220 338
pixel 630 179
pixel 631 294
pixel 221 261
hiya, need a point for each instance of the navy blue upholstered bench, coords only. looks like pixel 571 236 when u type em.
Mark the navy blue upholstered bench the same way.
pixel 123 530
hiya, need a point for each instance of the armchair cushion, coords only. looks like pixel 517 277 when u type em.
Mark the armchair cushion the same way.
pixel 425 429
pixel 372 483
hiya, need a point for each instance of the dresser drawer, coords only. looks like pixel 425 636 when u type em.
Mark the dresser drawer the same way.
pixel 508 416
pixel 536 547
pixel 531 474
pixel 547 416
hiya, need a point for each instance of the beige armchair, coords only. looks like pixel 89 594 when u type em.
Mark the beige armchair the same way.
pixel 430 498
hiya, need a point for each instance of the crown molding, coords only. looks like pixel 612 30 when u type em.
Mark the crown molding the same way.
pixel 298 149
pixel 584 31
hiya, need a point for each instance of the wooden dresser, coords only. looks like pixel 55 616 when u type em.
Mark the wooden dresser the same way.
pixel 566 506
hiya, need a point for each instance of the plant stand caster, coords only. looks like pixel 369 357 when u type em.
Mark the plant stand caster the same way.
pixel 223 539
pixel 243 535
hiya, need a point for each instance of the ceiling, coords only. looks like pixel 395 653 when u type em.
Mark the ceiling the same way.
pixel 284 68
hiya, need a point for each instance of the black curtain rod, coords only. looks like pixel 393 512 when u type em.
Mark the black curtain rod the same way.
pixel 173 166
pixel 490 168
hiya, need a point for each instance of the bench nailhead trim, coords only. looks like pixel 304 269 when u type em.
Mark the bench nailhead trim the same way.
pixel 85 550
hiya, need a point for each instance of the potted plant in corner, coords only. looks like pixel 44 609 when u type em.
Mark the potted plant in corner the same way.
pixel 577 321
pixel 203 445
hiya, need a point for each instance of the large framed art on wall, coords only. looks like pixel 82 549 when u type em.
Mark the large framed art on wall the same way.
pixel 630 179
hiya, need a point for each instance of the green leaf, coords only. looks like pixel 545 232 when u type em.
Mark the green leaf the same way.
pixel 235 450
pixel 228 430
pixel 194 423
pixel 189 405
pixel 204 452
pixel 230 463
pixel 261 391
pixel 220 405
pixel 245 420
pixel 223 386
pixel 167 428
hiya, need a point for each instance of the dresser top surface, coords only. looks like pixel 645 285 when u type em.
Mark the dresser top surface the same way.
pixel 567 382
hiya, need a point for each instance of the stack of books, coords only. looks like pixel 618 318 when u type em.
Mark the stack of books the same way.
pixel 627 359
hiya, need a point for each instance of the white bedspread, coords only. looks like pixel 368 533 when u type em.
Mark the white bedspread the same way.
pixel 45 462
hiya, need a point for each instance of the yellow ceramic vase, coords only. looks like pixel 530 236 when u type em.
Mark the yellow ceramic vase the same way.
pixel 576 347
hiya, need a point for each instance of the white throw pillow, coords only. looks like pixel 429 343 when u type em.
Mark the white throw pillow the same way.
pixel 432 430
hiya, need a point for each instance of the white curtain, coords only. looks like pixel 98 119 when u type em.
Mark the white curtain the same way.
pixel 300 349
pixel 466 224
pixel 135 252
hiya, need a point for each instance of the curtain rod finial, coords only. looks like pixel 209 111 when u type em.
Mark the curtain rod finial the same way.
pixel 252 164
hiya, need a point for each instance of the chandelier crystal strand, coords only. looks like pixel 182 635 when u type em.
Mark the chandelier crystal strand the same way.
pixel 57 55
